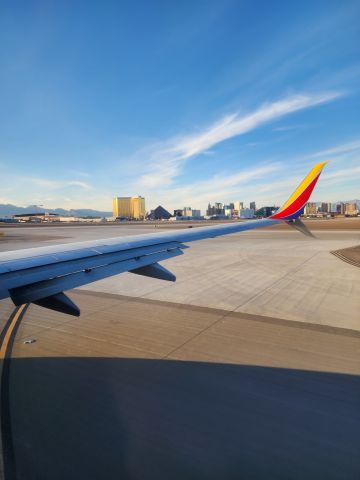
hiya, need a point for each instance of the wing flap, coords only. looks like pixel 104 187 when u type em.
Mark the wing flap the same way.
pixel 31 274
pixel 46 288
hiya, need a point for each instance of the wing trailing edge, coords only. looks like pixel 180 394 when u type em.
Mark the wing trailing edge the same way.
pixel 35 291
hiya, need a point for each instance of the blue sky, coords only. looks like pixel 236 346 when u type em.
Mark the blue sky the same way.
pixel 182 102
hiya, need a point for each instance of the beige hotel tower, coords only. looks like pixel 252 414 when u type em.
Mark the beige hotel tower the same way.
pixel 129 207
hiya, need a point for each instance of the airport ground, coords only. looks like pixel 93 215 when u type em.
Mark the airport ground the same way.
pixel 247 367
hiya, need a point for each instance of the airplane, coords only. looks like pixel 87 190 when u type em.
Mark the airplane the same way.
pixel 41 275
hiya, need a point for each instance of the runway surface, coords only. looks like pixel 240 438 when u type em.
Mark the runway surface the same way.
pixel 144 388
pixel 271 272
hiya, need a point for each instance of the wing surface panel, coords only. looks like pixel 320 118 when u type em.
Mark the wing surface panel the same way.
pixel 47 288
pixel 32 257
pixel 37 273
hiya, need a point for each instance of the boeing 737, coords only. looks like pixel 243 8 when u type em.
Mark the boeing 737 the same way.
pixel 41 275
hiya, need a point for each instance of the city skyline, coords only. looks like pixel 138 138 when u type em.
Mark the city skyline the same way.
pixel 215 101
pixel 331 207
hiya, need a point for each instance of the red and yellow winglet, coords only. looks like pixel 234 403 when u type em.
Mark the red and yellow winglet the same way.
pixel 294 206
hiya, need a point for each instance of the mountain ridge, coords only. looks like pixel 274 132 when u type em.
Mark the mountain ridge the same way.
pixel 9 209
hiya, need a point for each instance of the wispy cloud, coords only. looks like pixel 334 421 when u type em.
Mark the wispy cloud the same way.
pixel 59 184
pixel 341 174
pixel 79 173
pixel 286 128
pixel 217 188
pixel 219 183
pixel 338 150
pixel 269 183
pixel 168 158
pixel 76 183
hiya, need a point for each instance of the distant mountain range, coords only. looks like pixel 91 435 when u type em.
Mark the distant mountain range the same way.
pixel 8 210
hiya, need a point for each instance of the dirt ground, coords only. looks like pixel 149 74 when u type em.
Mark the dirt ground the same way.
pixel 328 224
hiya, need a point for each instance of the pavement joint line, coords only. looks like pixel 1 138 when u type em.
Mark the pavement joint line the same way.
pixel 268 287
pixel 9 330
pixel 239 306
pixel 201 274
pixel 195 276
pixel 221 311
pixel 226 314
pixel 7 465
pixel 208 327
pixel 180 282
pixel 116 344
pixel 60 324
pixel 58 328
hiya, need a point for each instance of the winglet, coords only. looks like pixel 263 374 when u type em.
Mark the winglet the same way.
pixel 294 206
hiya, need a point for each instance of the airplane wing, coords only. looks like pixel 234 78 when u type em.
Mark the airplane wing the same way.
pixel 41 275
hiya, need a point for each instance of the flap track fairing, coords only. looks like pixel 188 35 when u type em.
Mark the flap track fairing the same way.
pixel 156 271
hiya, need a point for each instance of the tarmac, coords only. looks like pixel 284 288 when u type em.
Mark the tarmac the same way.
pixel 247 367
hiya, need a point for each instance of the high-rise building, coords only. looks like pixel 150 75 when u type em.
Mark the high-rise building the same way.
pixel 350 209
pixel 238 206
pixel 191 212
pixel 228 210
pixel 129 207
pixel 253 206
pixel 138 207
pixel 266 211
pixel 196 213
pixel 340 208
pixel 324 208
pixel 310 209
pixel 247 213
pixel 187 212
pixel 217 209
pixel 122 207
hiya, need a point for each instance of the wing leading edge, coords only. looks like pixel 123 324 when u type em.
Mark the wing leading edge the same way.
pixel 41 275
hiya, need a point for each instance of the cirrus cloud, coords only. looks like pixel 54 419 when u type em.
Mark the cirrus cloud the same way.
pixel 168 158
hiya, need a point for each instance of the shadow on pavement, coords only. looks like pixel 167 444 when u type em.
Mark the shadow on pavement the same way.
pixel 118 418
